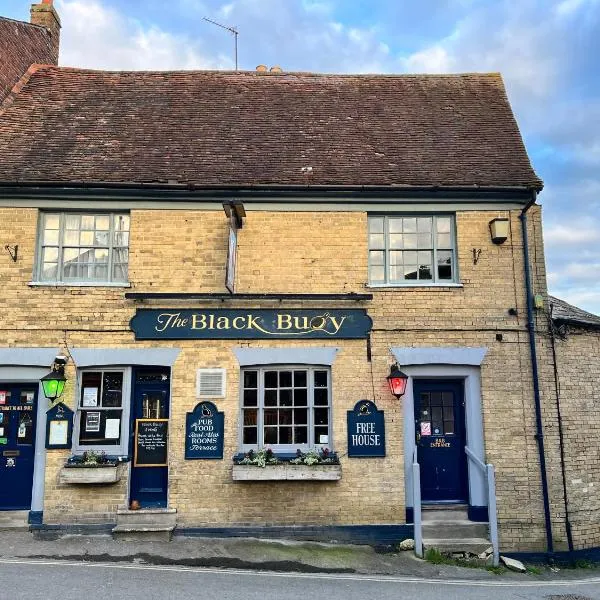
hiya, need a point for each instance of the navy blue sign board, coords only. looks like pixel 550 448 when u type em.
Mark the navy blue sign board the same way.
pixel 59 427
pixel 366 430
pixel 234 324
pixel 204 432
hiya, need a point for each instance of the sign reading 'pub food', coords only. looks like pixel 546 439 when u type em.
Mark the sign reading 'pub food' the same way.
pixel 204 429
pixel 366 430
pixel 173 324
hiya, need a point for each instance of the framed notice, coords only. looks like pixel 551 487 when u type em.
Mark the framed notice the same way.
pixel 90 397
pixel 151 443
pixel 92 422
pixel 59 427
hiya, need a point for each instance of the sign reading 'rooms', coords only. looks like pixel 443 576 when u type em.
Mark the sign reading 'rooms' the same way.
pixel 165 324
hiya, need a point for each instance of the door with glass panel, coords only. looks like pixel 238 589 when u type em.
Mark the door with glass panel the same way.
pixel 149 484
pixel 18 408
pixel 440 439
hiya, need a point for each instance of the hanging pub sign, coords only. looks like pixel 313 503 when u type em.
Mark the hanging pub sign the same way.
pixel 151 437
pixel 231 256
pixel 165 324
pixel 366 430
pixel 204 429
pixel 59 427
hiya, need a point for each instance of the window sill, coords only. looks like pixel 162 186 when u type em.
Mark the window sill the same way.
pixel 79 284
pixel 85 475
pixel 287 472
pixel 396 286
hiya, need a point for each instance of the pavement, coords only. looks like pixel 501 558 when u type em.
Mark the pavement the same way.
pixel 258 554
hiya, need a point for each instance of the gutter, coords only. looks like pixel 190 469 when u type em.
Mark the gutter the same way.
pixel 539 436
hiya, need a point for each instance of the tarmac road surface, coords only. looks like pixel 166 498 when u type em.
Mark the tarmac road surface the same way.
pixel 25 579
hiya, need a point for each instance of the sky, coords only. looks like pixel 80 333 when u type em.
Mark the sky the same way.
pixel 548 52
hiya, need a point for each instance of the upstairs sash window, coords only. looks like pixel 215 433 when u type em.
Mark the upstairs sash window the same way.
pixel 83 248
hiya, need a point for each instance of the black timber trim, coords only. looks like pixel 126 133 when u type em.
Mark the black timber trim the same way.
pixel 260 193
pixel 220 296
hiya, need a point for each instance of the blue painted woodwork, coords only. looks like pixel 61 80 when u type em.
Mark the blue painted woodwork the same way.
pixel 150 400
pixel 18 409
pixel 204 432
pixel 59 412
pixel 440 439
pixel 251 323
pixel 366 430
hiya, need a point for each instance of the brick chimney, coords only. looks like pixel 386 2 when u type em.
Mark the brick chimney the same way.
pixel 45 14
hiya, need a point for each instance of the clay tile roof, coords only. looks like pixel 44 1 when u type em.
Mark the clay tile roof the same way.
pixel 21 45
pixel 224 128
pixel 567 313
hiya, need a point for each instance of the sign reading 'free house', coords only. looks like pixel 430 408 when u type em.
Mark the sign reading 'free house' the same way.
pixel 174 324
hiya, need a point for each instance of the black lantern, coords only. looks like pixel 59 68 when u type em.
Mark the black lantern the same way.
pixel 397 381
pixel 53 384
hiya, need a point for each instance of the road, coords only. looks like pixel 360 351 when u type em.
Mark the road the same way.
pixel 53 580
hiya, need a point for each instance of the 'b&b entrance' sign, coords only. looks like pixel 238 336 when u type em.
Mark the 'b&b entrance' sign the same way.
pixel 173 324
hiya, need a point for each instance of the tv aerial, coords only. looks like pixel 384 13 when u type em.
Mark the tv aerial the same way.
pixel 232 30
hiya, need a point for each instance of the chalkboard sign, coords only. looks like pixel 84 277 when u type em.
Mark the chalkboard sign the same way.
pixel 366 430
pixel 151 442
pixel 204 432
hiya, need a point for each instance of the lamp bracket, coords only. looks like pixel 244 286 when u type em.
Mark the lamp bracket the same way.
pixel 13 251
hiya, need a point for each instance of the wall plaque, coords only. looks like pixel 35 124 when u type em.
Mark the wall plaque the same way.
pixel 151 442
pixel 174 324
pixel 204 430
pixel 59 427
pixel 366 430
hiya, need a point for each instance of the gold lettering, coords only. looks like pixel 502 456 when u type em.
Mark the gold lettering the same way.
pixel 335 323
pixel 165 320
pixel 223 323
pixel 211 322
pixel 234 322
pixel 284 321
pixel 201 319
pixel 301 323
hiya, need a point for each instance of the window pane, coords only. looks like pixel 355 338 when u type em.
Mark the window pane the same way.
pixel 321 435
pixel 270 435
pixel 443 224
pixel 300 435
pixel 424 240
pixel 120 272
pixel 285 435
pixel 101 238
pixel 87 222
pixel 320 378
pixel 71 238
pixel 86 238
pixel 410 271
pixel 285 397
pixel 121 238
pixel 250 379
pixel 410 240
pixel 285 378
pixel 51 221
pixel 425 272
pixel 448 427
pixel 444 259
pixel 50 254
pixel 270 379
pixel 409 225
pixel 300 397
pixel 443 240
pixel 51 237
pixel 121 222
pixel 321 416
pixel 376 241
pixel 112 389
pixel 49 271
pixel 270 397
pixel 396 240
pixel 103 222
pixel 72 221
pixel 250 416
pixel 299 378
pixel 377 275
pixel 376 225
pixel 93 429
pixel 423 224
pixel 250 435
pixel 377 258
pixel 300 416
pixel 251 398
pixel 285 417
pixel 321 397
pixel 395 225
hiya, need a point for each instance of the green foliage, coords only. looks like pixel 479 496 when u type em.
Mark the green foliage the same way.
pixel 315 457
pixel 262 458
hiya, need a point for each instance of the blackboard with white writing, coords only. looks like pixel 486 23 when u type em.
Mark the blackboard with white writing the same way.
pixel 204 429
pixel 151 437
pixel 366 430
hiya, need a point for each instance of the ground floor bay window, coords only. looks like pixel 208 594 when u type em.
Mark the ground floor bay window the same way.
pixel 286 408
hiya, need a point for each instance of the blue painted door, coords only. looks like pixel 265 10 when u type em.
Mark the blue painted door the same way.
pixel 440 438
pixel 18 409
pixel 149 485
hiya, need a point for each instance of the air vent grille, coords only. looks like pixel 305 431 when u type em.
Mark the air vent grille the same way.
pixel 210 383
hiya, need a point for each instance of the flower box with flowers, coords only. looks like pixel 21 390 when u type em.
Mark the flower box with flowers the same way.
pixel 90 467
pixel 264 465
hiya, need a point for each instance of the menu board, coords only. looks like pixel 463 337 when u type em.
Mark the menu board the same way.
pixel 151 436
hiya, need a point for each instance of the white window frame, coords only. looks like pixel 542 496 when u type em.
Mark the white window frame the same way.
pixel 120 449
pixel 286 448
pixel 59 281
pixel 434 282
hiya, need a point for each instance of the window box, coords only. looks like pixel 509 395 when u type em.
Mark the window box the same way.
pixel 84 474
pixel 287 472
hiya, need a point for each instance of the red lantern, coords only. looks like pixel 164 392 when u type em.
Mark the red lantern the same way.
pixel 397 381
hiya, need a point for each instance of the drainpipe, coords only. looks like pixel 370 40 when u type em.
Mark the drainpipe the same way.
pixel 536 383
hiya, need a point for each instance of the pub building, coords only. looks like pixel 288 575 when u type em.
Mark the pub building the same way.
pixel 276 304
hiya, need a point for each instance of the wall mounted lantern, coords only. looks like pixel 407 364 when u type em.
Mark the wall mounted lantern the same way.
pixel 397 381
pixel 53 384
pixel 499 230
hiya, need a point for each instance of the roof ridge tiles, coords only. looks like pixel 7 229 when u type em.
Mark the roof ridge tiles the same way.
pixel 34 25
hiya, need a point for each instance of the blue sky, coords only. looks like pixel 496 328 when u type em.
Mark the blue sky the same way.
pixel 547 50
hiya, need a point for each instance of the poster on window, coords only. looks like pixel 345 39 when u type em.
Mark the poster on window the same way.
pixel 90 397
pixel 113 429
pixel 92 422
pixel 425 428
pixel 2 397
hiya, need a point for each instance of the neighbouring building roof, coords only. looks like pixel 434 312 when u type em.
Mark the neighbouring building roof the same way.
pixel 250 128
pixel 567 313
pixel 22 44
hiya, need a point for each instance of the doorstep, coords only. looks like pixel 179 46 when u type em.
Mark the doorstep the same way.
pixel 150 524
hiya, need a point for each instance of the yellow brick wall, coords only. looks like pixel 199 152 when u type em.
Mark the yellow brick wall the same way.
pixel 173 250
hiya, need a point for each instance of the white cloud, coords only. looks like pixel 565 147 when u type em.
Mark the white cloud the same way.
pixel 98 37
pixel 575 234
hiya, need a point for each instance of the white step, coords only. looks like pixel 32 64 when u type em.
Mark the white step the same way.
pixel 472 545
pixel 147 533
pixel 147 517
